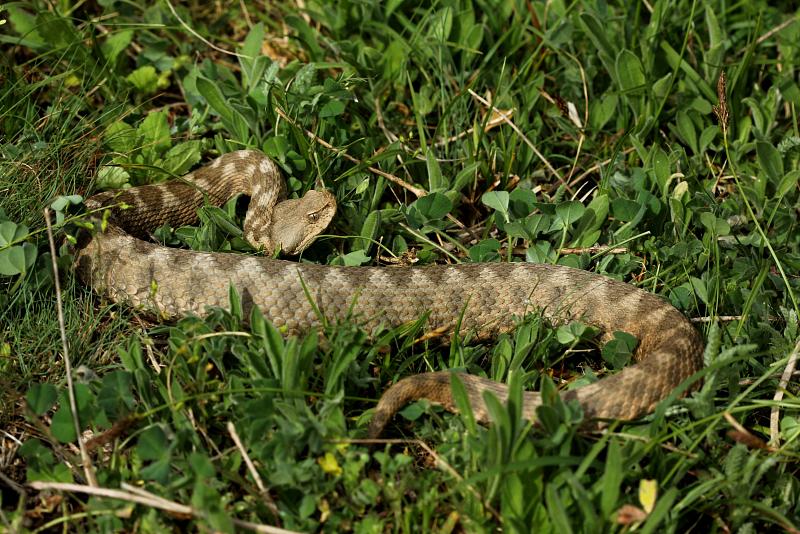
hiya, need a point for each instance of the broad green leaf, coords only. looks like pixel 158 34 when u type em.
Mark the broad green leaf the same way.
pixel 152 443
pixel 369 231
pixel 182 157
pixel 61 202
pixel 115 44
pixel 716 226
pixel 435 180
pixel 334 108
pixel 441 24
pixel 569 211
pixel 356 258
pixel 788 182
pixel 602 110
pixel 41 397
pixel 233 120
pixel 62 425
pixel 154 130
pixel 700 289
pixel 624 209
pixel 618 351
pixel 465 176
pixel 661 169
pixel 613 475
pixel 145 79
pixel 770 161
pixel 687 130
pixel 120 137
pixel 10 232
pixel 112 177
pixel 25 25
pixel 433 206
pixel 252 62
pixel 17 259
pixel 115 396
pixel 597 33
pixel 630 72
pixel 485 251
pixel 497 200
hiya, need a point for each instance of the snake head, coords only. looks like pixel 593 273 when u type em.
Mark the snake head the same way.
pixel 298 221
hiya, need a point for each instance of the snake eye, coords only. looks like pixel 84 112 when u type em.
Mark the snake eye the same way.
pixel 313 217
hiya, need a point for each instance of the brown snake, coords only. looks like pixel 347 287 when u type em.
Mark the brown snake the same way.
pixel 487 296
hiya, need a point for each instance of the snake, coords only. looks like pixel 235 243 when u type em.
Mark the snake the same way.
pixel 121 263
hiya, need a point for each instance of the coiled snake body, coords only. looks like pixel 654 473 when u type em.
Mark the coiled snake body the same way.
pixel 486 296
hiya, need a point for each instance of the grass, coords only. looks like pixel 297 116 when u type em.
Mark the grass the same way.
pixel 540 132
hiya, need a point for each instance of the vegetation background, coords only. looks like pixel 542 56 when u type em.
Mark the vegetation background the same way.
pixel 501 130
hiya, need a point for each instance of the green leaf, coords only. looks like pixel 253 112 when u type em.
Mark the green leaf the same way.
pixel 432 207
pixel 152 443
pixel 234 121
pixel 10 232
pixel 485 251
pixel 613 475
pixel 154 130
pixel 25 25
pixel 435 179
pixel 120 137
pixel 252 62
pixel 661 169
pixel 624 209
pixel 770 161
pixel 597 33
pixel 630 73
pixel 569 212
pixel 115 44
pixel 369 231
pixel 497 200
pixel 619 351
pixel 441 24
pixel 17 259
pixel 687 131
pixel 62 425
pixel 700 289
pixel 334 108
pixel 144 79
pixel 182 157
pixel 112 177
pixel 788 182
pixel 219 218
pixel 602 110
pixel 41 397
pixel 115 396
pixel 717 227
pixel 356 258
pixel 63 201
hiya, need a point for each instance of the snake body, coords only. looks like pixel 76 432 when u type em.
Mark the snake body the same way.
pixel 485 297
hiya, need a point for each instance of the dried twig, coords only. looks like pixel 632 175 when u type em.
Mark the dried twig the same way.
pixel 524 137
pixel 712 318
pixel 140 496
pixel 203 39
pixel 595 249
pixel 253 471
pixel 88 469
pixel 596 167
pixel 774 416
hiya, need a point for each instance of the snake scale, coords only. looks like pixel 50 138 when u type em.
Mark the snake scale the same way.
pixel 172 282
